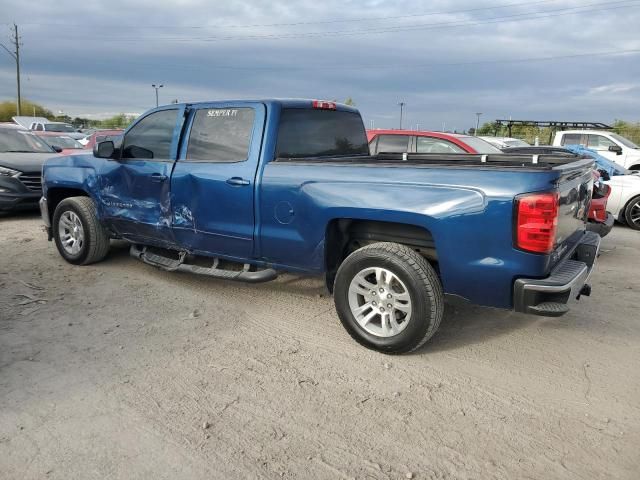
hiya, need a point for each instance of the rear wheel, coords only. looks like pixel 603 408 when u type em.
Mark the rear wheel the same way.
pixel 80 237
pixel 388 297
pixel 632 213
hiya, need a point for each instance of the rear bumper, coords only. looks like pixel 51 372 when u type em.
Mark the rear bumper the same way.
pixel 602 228
pixel 550 296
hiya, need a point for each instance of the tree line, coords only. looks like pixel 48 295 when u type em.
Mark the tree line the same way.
pixel 28 108
pixel 528 133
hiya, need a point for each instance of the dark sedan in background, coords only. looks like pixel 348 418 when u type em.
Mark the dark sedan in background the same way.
pixel 21 157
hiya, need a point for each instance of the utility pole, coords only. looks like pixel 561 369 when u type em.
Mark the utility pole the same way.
pixel 475 133
pixel 16 56
pixel 402 104
pixel 157 87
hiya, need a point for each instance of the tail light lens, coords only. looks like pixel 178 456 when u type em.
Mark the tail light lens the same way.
pixel 536 222
pixel 324 105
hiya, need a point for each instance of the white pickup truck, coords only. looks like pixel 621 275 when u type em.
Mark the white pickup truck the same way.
pixel 608 144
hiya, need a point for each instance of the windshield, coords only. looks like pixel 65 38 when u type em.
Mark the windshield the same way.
pixel 62 142
pixel 14 140
pixel 480 146
pixel 624 141
pixel 58 127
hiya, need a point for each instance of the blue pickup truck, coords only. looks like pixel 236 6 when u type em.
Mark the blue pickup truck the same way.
pixel 240 190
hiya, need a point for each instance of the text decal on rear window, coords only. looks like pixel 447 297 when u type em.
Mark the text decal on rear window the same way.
pixel 221 112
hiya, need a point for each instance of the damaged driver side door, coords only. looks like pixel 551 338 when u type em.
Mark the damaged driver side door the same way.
pixel 136 186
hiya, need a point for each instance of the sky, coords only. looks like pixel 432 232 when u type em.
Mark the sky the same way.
pixel 446 60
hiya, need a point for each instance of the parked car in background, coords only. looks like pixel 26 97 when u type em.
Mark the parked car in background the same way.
pixel 22 155
pixel 410 141
pixel 41 124
pixel 90 140
pixel 607 144
pixel 504 142
pixel 241 189
pixel 624 199
pixel 61 143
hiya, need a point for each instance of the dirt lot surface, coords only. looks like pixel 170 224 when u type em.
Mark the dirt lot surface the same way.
pixel 122 371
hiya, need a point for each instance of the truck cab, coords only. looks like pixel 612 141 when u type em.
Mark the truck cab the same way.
pixel 608 144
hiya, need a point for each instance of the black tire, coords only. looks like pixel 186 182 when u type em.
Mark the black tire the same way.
pixel 632 208
pixel 95 245
pixel 422 285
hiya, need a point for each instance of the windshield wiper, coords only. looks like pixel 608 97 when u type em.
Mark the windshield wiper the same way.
pixel 23 151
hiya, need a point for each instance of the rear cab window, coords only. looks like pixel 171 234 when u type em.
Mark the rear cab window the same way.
pixel 305 132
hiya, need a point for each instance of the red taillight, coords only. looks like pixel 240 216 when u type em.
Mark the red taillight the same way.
pixel 324 105
pixel 537 222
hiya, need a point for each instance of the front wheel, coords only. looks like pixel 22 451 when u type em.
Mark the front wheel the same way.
pixel 388 297
pixel 632 213
pixel 80 237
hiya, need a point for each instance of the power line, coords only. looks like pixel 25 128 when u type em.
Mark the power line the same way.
pixel 393 68
pixel 426 26
pixel 293 24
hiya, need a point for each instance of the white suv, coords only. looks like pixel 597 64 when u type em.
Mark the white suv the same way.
pixel 608 144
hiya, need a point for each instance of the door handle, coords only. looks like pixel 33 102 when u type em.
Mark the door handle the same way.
pixel 158 177
pixel 238 182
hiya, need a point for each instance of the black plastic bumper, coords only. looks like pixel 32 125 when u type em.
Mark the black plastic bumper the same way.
pixel 602 228
pixel 10 201
pixel 568 280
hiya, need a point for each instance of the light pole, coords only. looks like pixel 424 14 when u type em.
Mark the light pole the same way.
pixel 475 133
pixel 157 87
pixel 402 104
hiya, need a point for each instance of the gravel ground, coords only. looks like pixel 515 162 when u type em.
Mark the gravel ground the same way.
pixel 122 371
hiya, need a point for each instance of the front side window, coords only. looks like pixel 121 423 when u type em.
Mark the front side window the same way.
pixel 599 142
pixel 436 145
pixel 151 137
pixel 393 144
pixel 221 135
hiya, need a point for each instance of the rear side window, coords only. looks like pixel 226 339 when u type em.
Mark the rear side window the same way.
pixel 436 145
pixel 393 144
pixel 571 139
pixel 316 133
pixel 151 137
pixel 221 135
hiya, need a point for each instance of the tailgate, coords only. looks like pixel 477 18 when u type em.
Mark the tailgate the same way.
pixel 575 186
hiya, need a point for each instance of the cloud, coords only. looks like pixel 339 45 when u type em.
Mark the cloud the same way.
pixel 445 59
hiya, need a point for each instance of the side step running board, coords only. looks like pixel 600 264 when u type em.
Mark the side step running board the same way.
pixel 170 264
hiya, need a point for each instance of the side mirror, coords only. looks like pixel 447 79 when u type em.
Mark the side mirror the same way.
pixel 104 149
pixel 615 148
pixel 57 148
pixel 604 175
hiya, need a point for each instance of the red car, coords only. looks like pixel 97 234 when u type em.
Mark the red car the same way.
pixel 400 141
pixel 90 141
